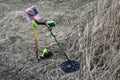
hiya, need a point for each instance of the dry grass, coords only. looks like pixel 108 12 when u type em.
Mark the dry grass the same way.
pixel 89 32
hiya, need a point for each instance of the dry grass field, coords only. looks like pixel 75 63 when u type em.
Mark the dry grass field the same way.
pixel 88 30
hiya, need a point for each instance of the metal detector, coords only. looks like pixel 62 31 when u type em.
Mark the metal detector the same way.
pixel 68 65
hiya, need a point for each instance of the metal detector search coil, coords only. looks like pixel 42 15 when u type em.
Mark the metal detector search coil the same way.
pixel 70 66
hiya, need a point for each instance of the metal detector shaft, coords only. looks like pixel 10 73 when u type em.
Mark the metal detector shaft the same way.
pixel 49 28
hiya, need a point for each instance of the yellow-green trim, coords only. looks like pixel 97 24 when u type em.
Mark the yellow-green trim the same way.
pixel 35 26
pixel 44 52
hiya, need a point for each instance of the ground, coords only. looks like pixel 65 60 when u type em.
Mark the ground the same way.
pixel 88 30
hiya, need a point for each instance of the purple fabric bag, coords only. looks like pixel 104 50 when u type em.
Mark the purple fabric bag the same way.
pixel 32 14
